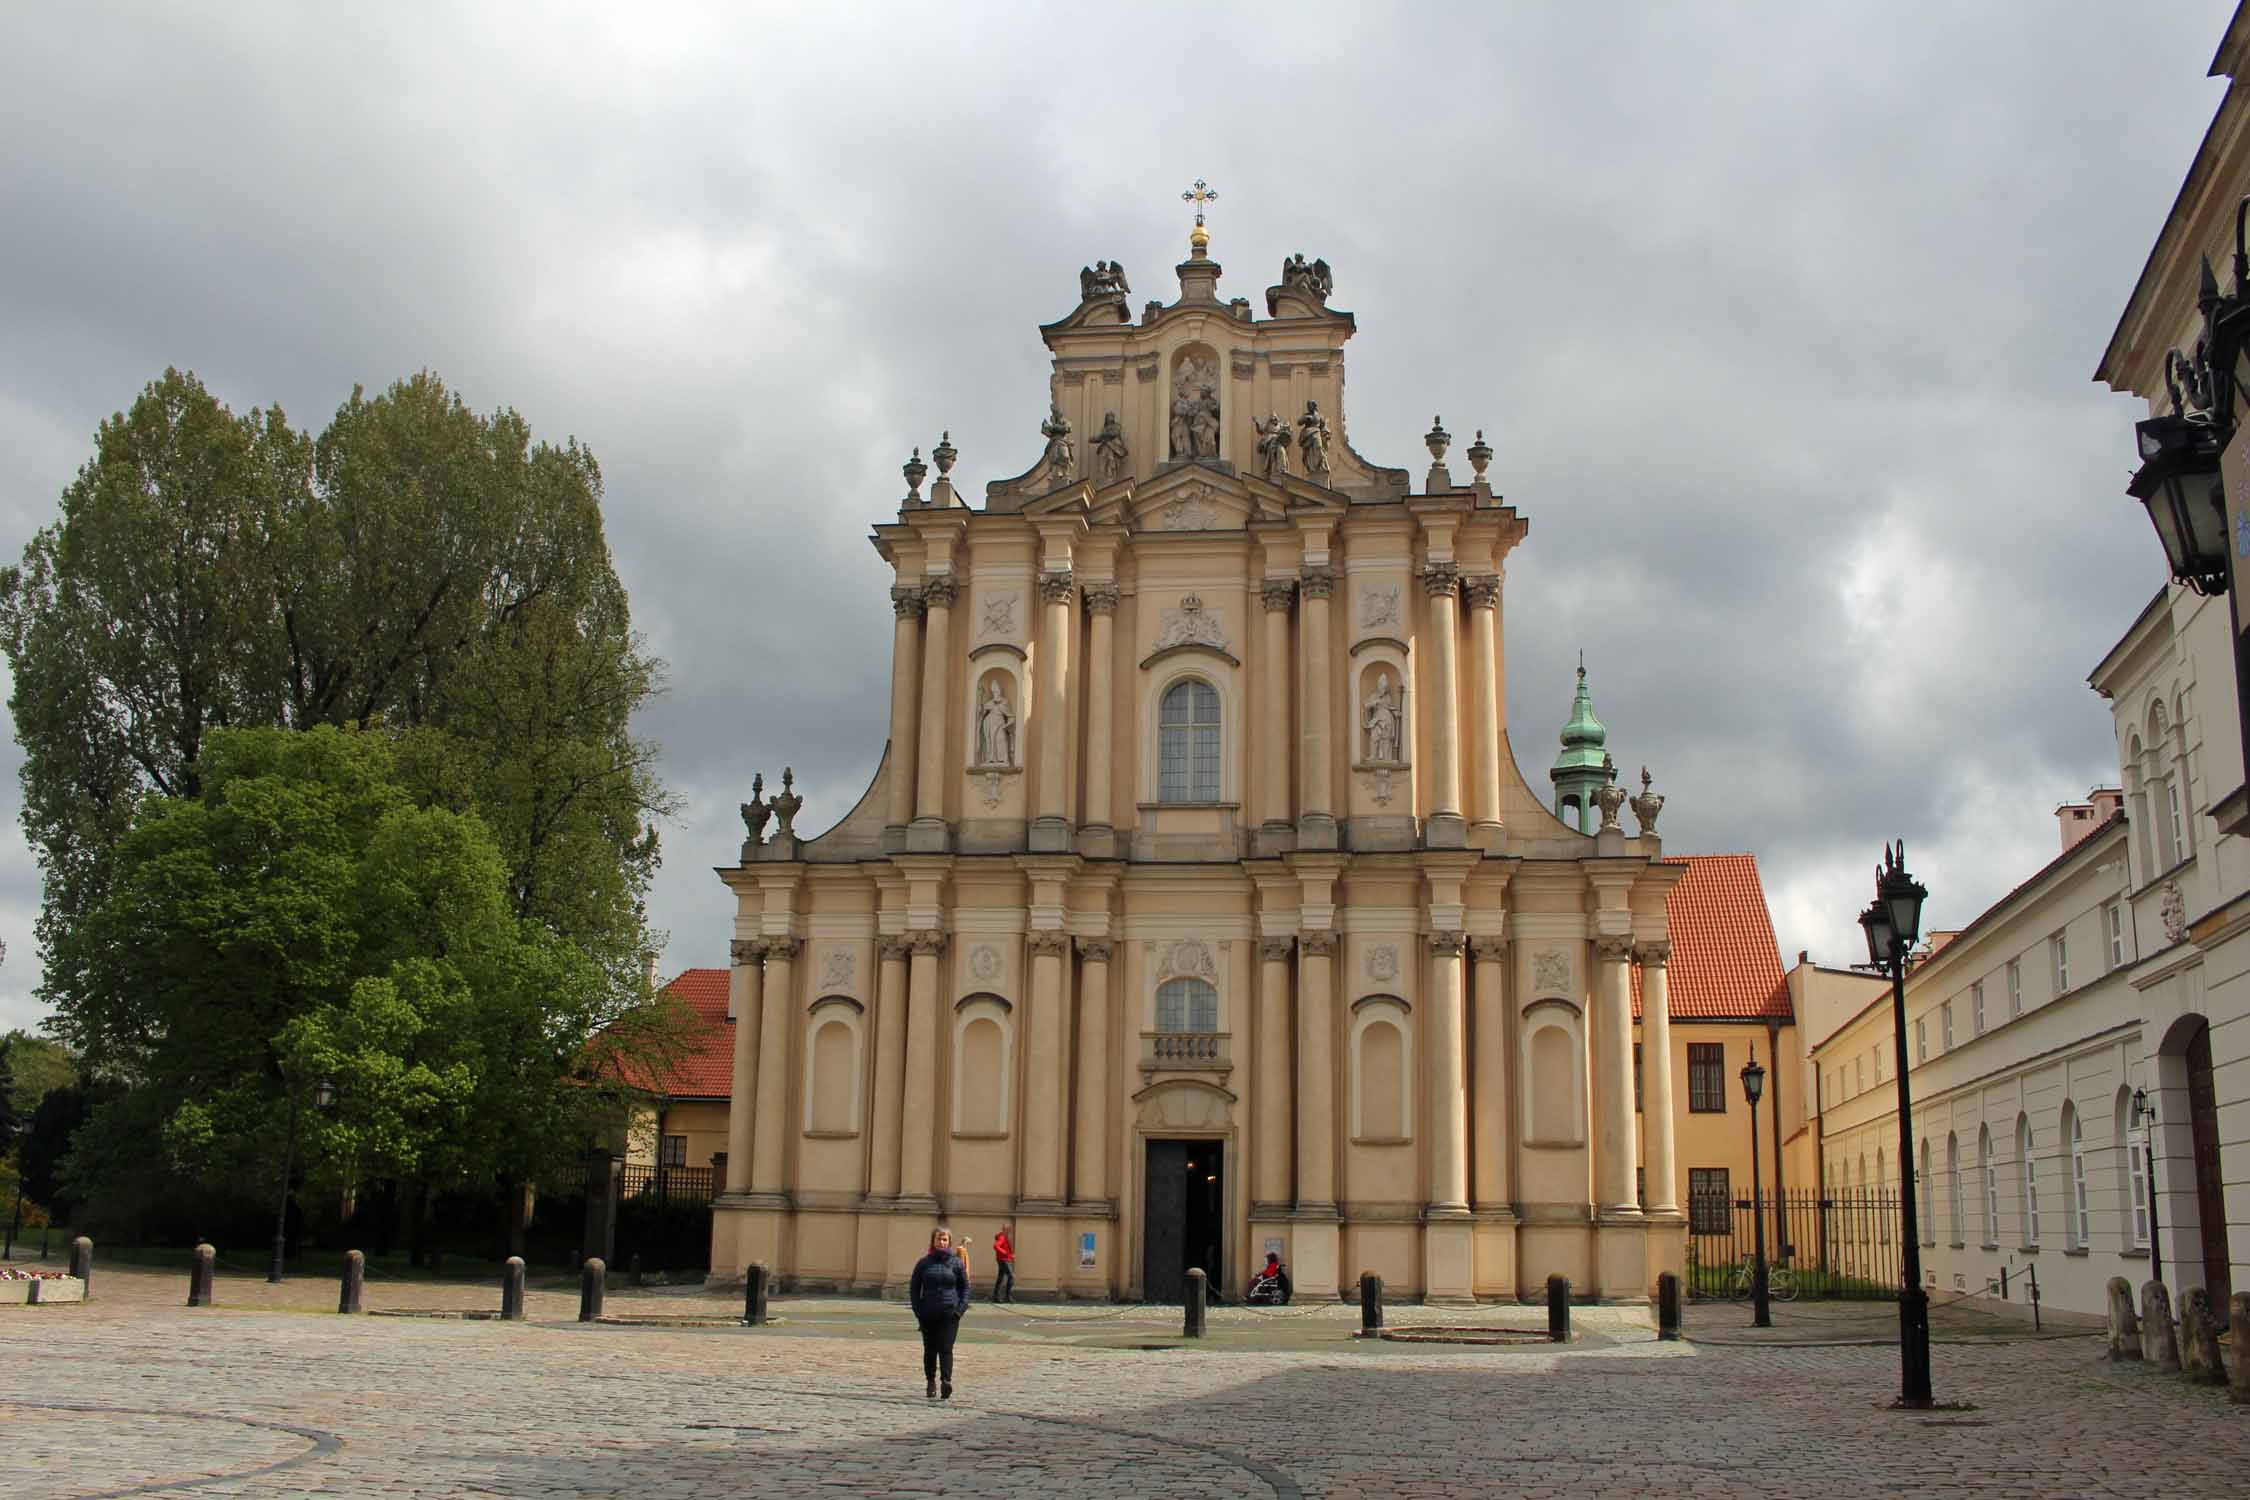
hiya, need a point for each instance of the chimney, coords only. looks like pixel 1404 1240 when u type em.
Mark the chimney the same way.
pixel 2077 819
pixel 648 968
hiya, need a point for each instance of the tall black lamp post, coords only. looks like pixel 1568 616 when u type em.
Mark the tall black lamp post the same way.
pixel 324 1094
pixel 1753 1088
pixel 1893 922
pixel 2144 1115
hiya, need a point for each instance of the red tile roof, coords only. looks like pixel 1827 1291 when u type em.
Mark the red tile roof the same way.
pixel 706 1071
pixel 1725 964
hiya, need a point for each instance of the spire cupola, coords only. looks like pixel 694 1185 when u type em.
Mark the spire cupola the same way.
pixel 1584 765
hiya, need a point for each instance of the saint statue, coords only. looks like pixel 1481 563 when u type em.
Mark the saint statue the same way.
pixel 1207 425
pixel 996 729
pixel 1273 444
pixel 1382 719
pixel 1312 440
pixel 1183 423
pixel 1110 451
pixel 1062 454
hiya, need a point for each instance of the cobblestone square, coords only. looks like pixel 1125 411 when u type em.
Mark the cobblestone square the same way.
pixel 271 1393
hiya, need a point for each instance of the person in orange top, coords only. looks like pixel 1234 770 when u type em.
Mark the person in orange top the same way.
pixel 961 1252
pixel 1004 1274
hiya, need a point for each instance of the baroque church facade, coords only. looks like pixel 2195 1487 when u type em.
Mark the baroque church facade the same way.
pixel 1198 906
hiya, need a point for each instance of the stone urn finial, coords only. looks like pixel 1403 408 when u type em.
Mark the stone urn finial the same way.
pixel 786 802
pixel 1480 454
pixel 1646 806
pixel 915 471
pixel 944 454
pixel 756 813
pixel 1438 440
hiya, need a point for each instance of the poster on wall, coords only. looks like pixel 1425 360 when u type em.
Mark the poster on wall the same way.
pixel 1086 1251
pixel 1273 1246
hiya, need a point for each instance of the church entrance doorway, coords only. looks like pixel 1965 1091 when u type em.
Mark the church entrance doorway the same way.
pixel 1183 1217
pixel 2210 1196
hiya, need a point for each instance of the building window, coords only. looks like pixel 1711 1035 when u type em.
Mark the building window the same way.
pixel 1976 1008
pixel 1186 1005
pixel 2136 1171
pixel 1707 1078
pixel 2116 911
pixel 1710 1203
pixel 1878 1055
pixel 1921 1039
pixel 672 1152
pixel 2059 947
pixel 1991 1188
pixel 2179 831
pixel 1637 1089
pixel 2015 988
pixel 1187 743
pixel 2081 1216
pixel 1925 1201
pixel 1945 1025
pixel 1859 1074
pixel 2030 1173
pixel 1953 1188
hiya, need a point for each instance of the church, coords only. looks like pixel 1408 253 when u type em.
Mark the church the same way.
pixel 1198 907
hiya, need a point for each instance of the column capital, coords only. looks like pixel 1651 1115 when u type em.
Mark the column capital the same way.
pixel 1448 944
pixel 1320 944
pixel 1613 950
pixel 928 940
pixel 1318 583
pixel 1048 943
pixel 1653 955
pixel 783 948
pixel 1276 950
pixel 1440 579
pixel 894 947
pixel 1094 950
pixel 1279 593
pixel 939 593
pixel 1101 599
pixel 746 952
pixel 907 603
pixel 1482 590
pixel 1489 949
pixel 1058 587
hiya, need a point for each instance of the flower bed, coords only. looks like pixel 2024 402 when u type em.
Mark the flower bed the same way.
pixel 18 1285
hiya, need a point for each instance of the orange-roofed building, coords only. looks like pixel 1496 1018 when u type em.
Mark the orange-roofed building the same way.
pixel 687 1127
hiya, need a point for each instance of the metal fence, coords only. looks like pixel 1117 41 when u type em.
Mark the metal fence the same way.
pixel 674 1184
pixel 1843 1245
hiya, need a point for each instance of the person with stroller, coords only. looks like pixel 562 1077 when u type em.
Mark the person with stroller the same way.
pixel 1270 1287
pixel 938 1292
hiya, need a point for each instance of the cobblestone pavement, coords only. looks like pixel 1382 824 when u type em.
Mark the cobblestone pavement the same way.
pixel 270 1394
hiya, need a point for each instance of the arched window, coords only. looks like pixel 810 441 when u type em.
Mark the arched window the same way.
pixel 2081 1215
pixel 1186 1005
pixel 2135 1175
pixel 1991 1185
pixel 1953 1188
pixel 1187 743
pixel 2030 1172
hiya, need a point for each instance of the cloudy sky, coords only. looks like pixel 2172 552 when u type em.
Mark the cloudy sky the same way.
pixel 1780 318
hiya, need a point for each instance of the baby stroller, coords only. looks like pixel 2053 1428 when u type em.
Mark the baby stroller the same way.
pixel 1269 1287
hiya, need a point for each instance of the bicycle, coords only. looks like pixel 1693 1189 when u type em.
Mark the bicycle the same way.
pixel 1781 1283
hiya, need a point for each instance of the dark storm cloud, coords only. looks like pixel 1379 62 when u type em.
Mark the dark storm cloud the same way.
pixel 1780 323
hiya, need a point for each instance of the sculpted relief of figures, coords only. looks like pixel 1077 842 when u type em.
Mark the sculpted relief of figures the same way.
pixel 1190 625
pixel 1192 511
pixel 1378 607
pixel 1550 973
pixel 1195 408
pixel 1110 452
pixel 996 727
pixel 1000 615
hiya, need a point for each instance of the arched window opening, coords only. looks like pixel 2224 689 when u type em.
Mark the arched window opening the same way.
pixel 2135 1173
pixel 1953 1189
pixel 1925 1205
pixel 2030 1172
pixel 1186 1005
pixel 1187 743
pixel 1991 1187
pixel 2081 1214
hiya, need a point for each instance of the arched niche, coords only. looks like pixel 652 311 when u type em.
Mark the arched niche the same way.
pixel 983 1065
pixel 1194 425
pixel 834 1033
pixel 1554 1091
pixel 1382 1071
pixel 1383 733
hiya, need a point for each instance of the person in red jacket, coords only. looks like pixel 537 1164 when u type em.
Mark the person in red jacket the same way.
pixel 1004 1255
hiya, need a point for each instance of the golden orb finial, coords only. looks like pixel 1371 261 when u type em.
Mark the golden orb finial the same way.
pixel 1199 238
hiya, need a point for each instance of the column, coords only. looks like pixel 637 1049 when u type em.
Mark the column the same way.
pixel 918 1125
pixel 1316 1074
pixel 1051 815
pixel 1269 1177
pixel 1101 610
pixel 890 1064
pixel 1656 1080
pixel 1273 773
pixel 747 979
pixel 1441 581
pixel 773 1066
pixel 1483 592
pixel 937 660
pixel 1043 1072
pixel 1317 821
pixel 1090 1165
pixel 1613 1054
pixel 1443 1032
pixel 1488 1095
pixel 906 678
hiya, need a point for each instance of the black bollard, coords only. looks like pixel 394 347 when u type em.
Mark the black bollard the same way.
pixel 511 1290
pixel 755 1280
pixel 199 1276
pixel 1192 1327
pixel 355 1277
pixel 82 1262
pixel 591 1277
pixel 1558 1309
pixel 1667 1306
pixel 1370 1302
pixel 633 1268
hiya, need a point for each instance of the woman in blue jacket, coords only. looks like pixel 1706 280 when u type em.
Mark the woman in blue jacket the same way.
pixel 939 1294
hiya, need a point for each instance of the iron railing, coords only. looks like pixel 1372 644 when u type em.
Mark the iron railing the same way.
pixel 675 1184
pixel 1843 1245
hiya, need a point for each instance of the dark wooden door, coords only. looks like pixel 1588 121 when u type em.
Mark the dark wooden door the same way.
pixel 2210 1196
pixel 1164 1221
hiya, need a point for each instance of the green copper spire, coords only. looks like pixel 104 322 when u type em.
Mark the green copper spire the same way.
pixel 1584 765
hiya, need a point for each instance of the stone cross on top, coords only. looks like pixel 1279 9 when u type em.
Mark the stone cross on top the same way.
pixel 1199 195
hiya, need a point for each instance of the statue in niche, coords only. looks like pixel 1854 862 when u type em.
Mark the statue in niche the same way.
pixel 1312 440
pixel 1110 451
pixel 1207 425
pixel 1313 280
pixel 1273 445
pixel 1104 278
pixel 1382 720
pixel 1195 409
pixel 996 728
pixel 1062 454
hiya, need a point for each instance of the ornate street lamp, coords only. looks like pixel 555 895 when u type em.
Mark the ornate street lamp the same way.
pixel 1893 922
pixel 1753 1089
pixel 2144 1116
pixel 324 1095
pixel 2178 484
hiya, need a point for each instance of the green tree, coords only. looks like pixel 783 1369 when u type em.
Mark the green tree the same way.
pixel 41 1066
